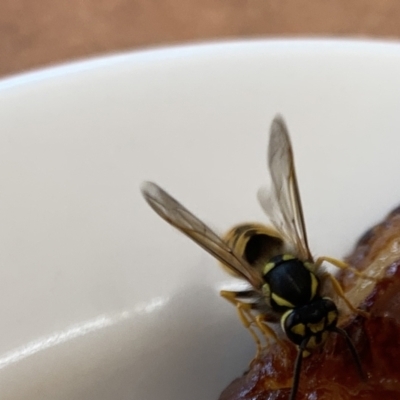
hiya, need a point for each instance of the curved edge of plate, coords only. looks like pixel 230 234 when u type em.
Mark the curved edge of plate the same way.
pixel 158 53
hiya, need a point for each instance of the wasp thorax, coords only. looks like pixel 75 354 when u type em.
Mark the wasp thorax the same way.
pixel 312 321
pixel 289 282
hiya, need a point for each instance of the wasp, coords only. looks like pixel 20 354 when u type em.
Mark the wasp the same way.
pixel 285 279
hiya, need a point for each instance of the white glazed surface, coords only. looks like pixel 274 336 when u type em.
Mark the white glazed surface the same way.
pixel 101 299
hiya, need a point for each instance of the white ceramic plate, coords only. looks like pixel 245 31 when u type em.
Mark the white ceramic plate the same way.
pixel 101 299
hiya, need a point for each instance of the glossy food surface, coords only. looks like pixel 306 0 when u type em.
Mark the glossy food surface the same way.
pixel 330 373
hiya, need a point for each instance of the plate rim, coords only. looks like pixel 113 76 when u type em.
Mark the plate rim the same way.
pixel 177 51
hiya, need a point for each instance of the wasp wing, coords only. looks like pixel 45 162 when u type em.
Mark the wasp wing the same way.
pixel 178 216
pixel 283 203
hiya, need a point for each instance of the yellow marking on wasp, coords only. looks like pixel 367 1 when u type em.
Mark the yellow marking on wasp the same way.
pixel 314 285
pixel 318 327
pixel 266 290
pixel 280 301
pixel 312 343
pixel 324 336
pixel 308 265
pixel 287 257
pixel 299 329
pixel 306 353
pixel 331 317
pixel 284 317
pixel 268 267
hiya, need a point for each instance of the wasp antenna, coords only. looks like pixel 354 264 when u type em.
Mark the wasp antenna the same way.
pixel 353 350
pixel 297 369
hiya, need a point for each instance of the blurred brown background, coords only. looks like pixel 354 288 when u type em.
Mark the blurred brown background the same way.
pixel 44 32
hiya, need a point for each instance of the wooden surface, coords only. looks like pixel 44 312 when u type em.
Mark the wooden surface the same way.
pixel 40 33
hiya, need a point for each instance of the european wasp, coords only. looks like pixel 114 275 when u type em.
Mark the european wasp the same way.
pixel 284 278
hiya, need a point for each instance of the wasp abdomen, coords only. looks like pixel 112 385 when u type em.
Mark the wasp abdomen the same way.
pixel 290 282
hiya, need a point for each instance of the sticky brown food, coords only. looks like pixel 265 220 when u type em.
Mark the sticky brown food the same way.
pixel 330 373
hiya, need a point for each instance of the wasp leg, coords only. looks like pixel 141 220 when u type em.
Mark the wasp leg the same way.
pixel 267 331
pixel 245 311
pixel 343 265
pixel 339 291
pixel 245 315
